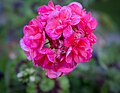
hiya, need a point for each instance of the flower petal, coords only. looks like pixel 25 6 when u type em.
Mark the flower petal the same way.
pixel 52 74
pixel 75 7
pixel 67 32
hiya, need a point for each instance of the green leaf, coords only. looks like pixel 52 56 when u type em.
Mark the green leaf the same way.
pixel 31 88
pixel 64 82
pixel 105 88
pixel 47 85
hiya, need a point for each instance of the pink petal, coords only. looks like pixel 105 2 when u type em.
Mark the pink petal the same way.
pixel 45 62
pixel 88 17
pixel 51 30
pixel 76 58
pixel 69 55
pixel 33 21
pixel 75 7
pixel 67 32
pixel 28 30
pixel 58 7
pixel 45 51
pixel 75 51
pixel 69 51
pixel 65 13
pixel 93 24
pixel 51 56
pixel 23 46
pixel 28 55
pixel 65 70
pixel 75 19
pixel 44 9
pixel 51 5
pixel 53 34
pixel 42 40
pixel 92 38
pixel 37 36
pixel 52 74
pixel 69 41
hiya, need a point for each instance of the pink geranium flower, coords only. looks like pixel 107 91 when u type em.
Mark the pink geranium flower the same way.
pixel 60 65
pixel 59 38
pixel 79 49
pixel 60 22
pixel 88 23
pixel 44 10
pixel 45 58
pixel 34 38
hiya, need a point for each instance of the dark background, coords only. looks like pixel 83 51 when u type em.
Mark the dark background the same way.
pixel 100 75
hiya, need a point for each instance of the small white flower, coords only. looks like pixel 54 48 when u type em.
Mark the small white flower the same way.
pixel 20 74
pixel 32 78
pixel 31 71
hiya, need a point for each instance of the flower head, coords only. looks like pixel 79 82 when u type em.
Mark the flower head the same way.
pixel 59 38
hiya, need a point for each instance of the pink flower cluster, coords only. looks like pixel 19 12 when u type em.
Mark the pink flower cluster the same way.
pixel 59 38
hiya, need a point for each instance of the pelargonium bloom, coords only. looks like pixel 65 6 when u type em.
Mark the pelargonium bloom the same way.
pixel 33 39
pixel 61 22
pixel 59 38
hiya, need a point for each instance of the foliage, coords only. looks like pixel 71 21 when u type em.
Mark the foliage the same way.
pixel 100 75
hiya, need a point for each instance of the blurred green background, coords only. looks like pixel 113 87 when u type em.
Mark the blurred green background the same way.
pixel 100 75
